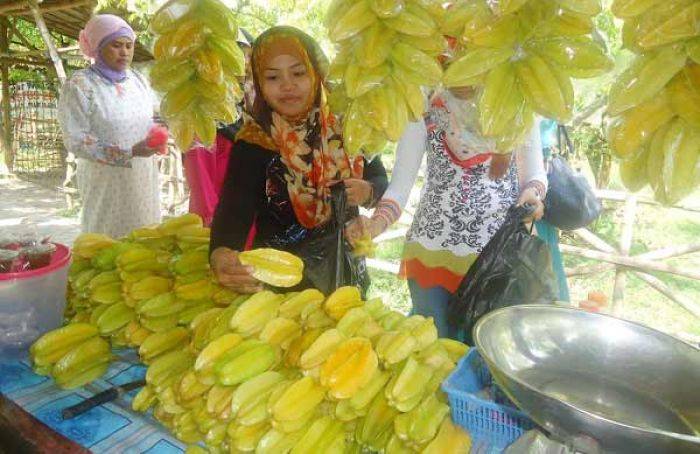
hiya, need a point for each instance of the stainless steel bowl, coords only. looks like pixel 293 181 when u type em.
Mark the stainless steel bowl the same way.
pixel 597 383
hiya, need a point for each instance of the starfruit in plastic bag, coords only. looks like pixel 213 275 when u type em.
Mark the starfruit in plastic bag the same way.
pixel 500 101
pixel 684 94
pixel 466 69
pixel 208 65
pixel 407 22
pixel 645 78
pixel 579 57
pixel 375 46
pixel 681 151
pixel 548 94
pixel 168 74
pixel 169 15
pixel 410 57
pixel 633 172
pixel 684 24
pixel 630 8
pixel 189 38
pixel 635 128
pixel 385 9
pixel 177 101
pixel 230 54
pixel 354 19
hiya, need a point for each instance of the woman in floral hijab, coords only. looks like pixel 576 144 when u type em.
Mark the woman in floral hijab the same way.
pixel 287 155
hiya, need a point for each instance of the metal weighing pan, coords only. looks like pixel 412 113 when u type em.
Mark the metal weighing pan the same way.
pixel 595 382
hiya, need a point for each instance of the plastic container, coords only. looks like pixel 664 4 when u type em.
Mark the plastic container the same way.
pixel 32 303
pixel 479 406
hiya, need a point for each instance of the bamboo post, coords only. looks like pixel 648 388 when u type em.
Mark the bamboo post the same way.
pixel 48 40
pixel 6 117
pixel 625 244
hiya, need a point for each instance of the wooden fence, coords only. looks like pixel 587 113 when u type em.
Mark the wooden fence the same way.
pixel 606 257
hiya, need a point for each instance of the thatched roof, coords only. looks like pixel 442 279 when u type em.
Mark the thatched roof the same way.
pixel 65 17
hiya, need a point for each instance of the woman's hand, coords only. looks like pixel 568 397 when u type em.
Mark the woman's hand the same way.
pixel 362 226
pixel 358 191
pixel 141 150
pixel 231 273
pixel 531 196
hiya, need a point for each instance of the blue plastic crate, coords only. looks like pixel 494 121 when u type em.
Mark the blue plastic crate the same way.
pixel 478 405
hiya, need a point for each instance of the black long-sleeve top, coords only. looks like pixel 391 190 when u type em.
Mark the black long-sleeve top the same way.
pixel 255 191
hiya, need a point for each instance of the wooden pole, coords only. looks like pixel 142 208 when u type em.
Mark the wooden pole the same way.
pixel 6 117
pixel 625 245
pixel 48 40
pixel 630 262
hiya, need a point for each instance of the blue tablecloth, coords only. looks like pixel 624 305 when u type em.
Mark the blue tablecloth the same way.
pixel 110 428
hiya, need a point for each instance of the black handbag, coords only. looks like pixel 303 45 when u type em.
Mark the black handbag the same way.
pixel 570 203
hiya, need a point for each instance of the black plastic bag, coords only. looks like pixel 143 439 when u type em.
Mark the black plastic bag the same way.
pixel 514 268
pixel 570 203
pixel 327 255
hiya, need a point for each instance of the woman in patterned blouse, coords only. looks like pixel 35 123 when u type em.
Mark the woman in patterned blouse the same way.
pixel 468 189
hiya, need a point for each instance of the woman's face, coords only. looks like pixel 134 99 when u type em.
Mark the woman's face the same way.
pixel 286 85
pixel 118 54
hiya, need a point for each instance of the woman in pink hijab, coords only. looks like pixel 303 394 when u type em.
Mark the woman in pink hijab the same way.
pixel 106 115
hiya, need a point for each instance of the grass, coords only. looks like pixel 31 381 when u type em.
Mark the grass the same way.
pixel 655 227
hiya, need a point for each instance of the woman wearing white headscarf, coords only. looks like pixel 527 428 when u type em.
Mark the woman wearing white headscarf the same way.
pixel 106 113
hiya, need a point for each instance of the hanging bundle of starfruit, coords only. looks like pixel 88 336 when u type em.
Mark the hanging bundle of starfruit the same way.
pixel 198 63
pixel 522 55
pixel 656 101
pixel 386 50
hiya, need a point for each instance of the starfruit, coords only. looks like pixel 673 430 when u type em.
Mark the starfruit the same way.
pixel 645 78
pixel 280 331
pixel 341 301
pixel 395 346
pixel 407 22
pixel 579 57
pixel 631 8
pixel 376 46
pixel 149 287
pixel 252 316
pixel 254 392
pixel 349 368
pixel 300 398
pixel 76 367
pixel 230 54
pixel 144 399
pixel 244 361
pixel 168 74
pixel 114 318
pixel 409 57
pixel 321 349
pixel 214 350
pixel 355 19
pixel 325 435
pixel 292 307
pixel 450 437
pixel 159 343
pixel 628 133
pixel 274 267
pixel 681 153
